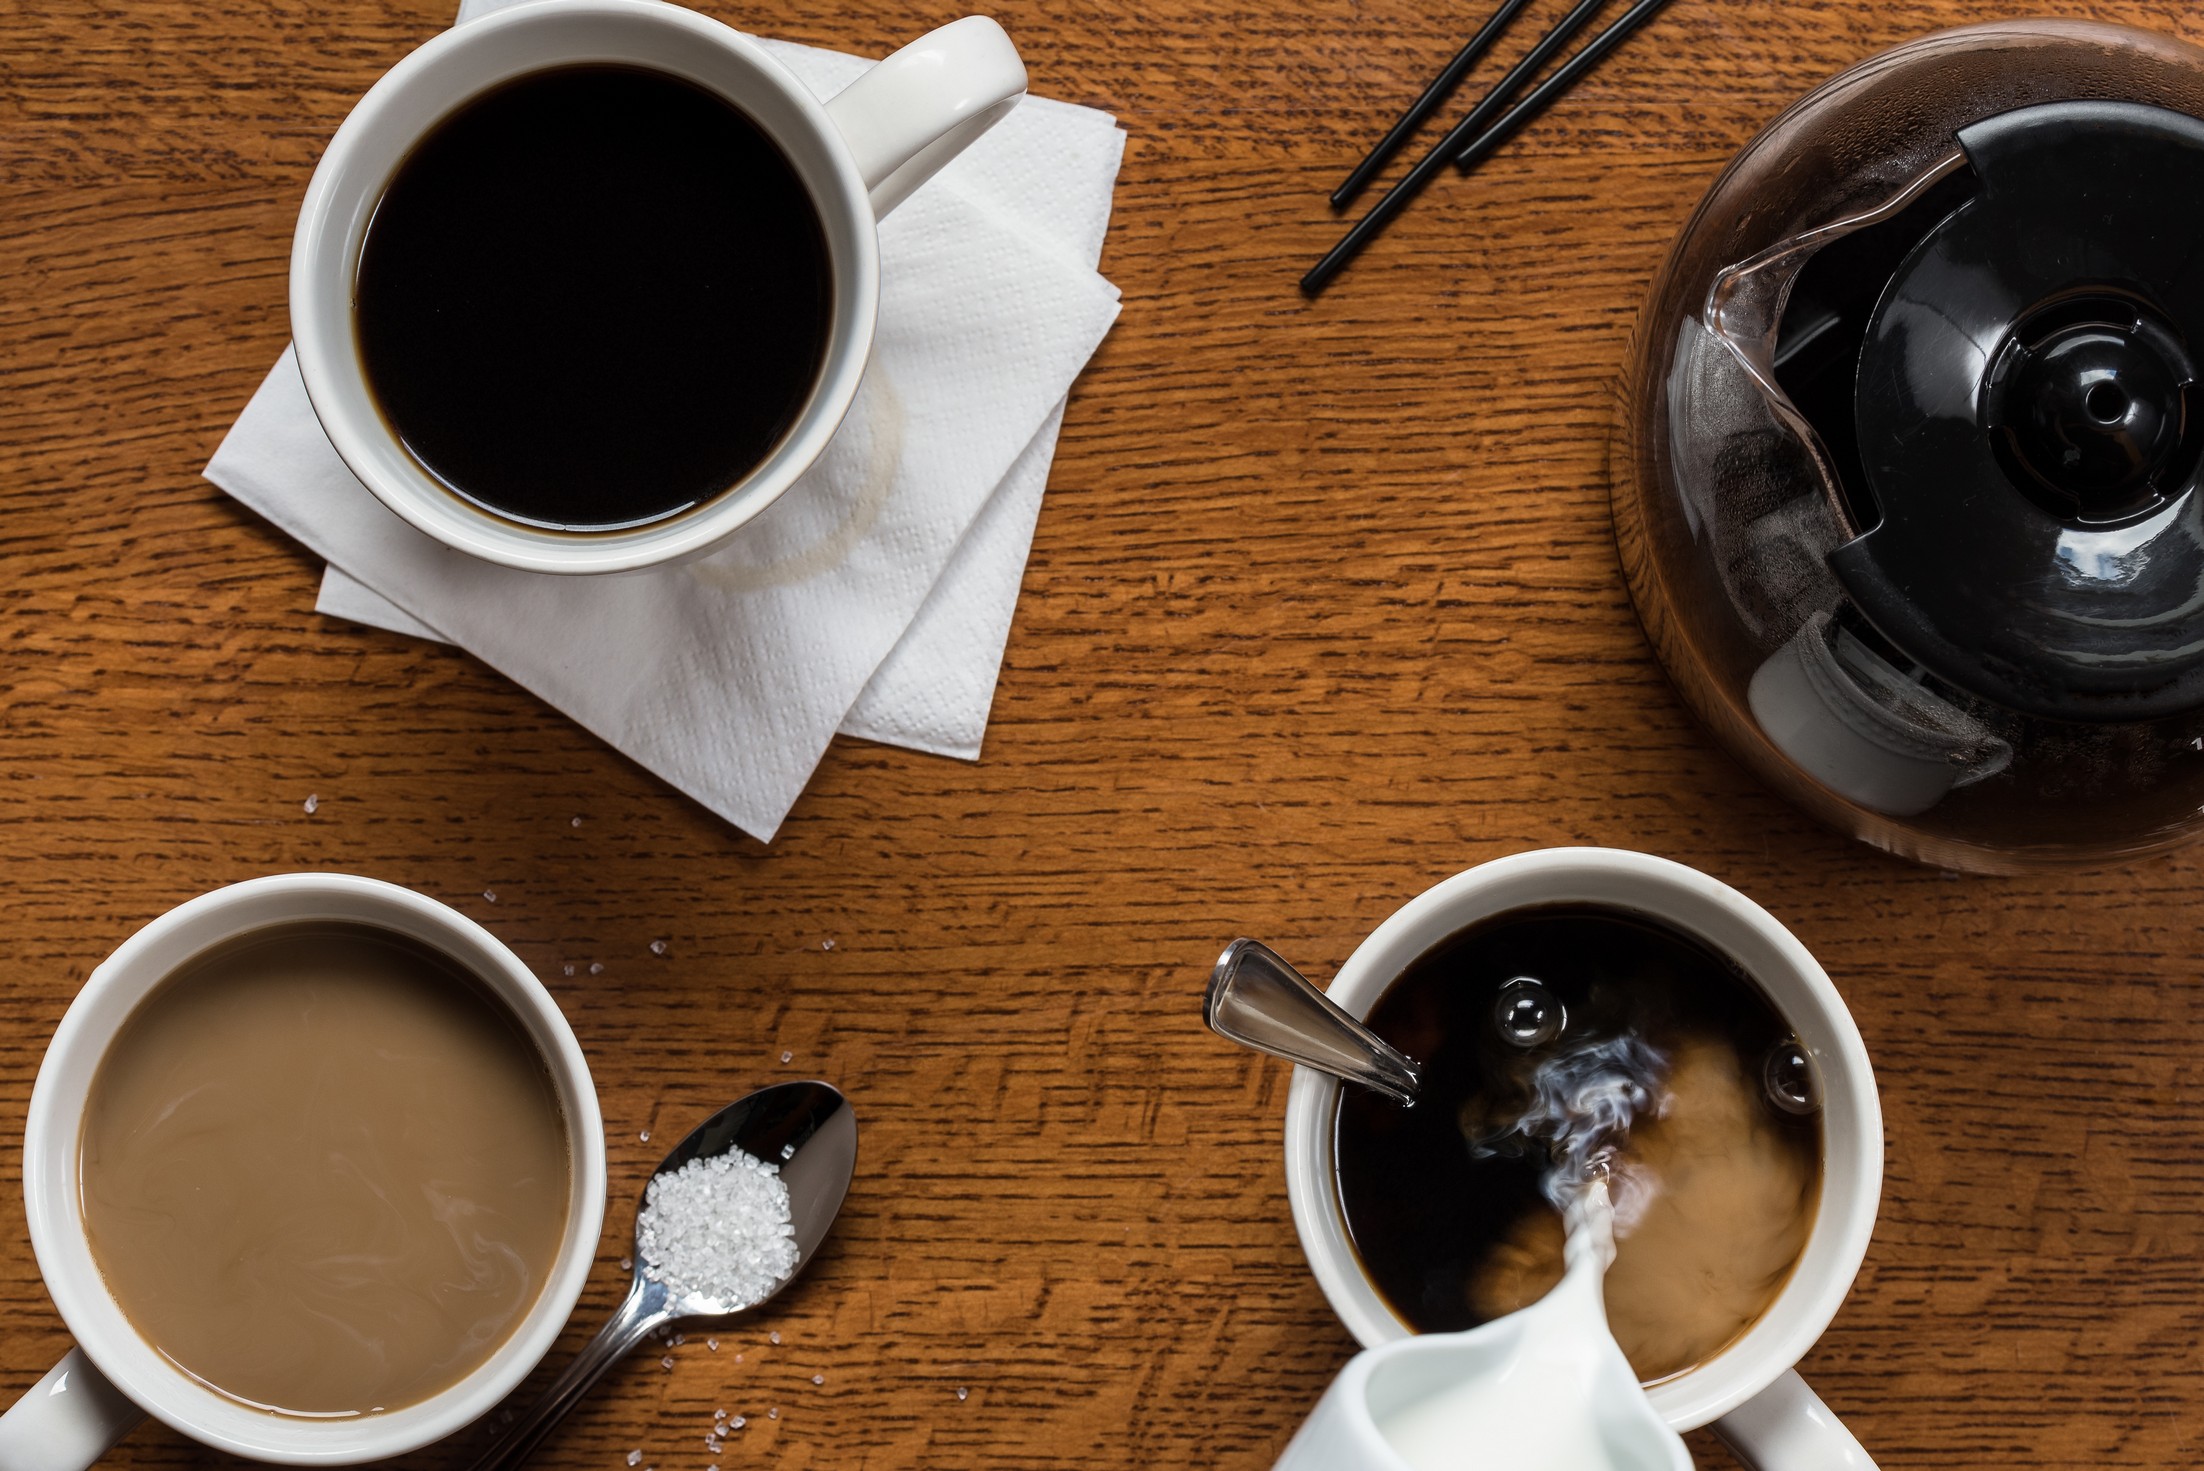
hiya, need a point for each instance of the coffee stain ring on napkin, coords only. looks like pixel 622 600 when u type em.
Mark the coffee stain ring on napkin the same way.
pixel 887 416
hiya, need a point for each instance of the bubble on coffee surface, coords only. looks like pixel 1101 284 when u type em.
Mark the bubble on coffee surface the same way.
pixel 1789 1079
pixel 1528 1013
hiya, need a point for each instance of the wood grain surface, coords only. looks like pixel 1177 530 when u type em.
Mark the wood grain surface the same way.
pixel 1323 607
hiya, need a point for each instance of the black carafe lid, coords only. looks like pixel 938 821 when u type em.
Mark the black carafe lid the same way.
pixel 2030 424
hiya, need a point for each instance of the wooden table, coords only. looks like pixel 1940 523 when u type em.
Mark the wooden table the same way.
pixel 1323 608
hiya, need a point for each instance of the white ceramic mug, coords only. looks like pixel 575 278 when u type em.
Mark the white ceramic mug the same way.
pixel 113 1378
pixel 859 155
pixel 1749 1392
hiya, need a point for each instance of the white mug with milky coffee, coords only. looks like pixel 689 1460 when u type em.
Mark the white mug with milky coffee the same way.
pixel 859 154
pixel 1748 1392
pixel 114 1378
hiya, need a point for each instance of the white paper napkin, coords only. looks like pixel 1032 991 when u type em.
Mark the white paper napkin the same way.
pixel 876 591
pixel 933 691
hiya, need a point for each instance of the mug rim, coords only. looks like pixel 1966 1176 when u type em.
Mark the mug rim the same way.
pixel 389 121
pixel 52 1139
pixel 1845 1212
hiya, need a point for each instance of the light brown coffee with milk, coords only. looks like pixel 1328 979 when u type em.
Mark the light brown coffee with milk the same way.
pixel 1714 1205
pixel 323 1170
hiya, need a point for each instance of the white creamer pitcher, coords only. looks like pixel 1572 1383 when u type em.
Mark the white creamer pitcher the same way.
pixel 1543 1389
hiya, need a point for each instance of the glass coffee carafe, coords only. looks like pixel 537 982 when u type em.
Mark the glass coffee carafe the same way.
pixel 1908 489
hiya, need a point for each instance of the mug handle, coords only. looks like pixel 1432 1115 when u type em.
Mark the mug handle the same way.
pixel 65 1421
pixel 1786 1427
pixel 925 104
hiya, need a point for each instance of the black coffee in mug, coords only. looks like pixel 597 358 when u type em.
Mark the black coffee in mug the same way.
pixel 594 297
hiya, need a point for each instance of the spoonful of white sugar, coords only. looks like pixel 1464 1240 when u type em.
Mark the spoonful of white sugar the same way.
pixel 717 1227
pixel 729 1218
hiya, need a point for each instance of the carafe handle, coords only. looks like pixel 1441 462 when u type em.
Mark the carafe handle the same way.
pixel 65 1421
pixel 926 104
pixel 1786 1427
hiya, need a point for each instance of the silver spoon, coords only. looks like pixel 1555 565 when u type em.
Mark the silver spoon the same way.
pixel 808 1130
pixel 1259 1001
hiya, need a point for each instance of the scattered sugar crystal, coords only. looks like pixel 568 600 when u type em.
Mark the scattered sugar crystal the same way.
pixel 626 1265
pixel 774 1336
pixel 313 800
pixel 568 968
pixel 738 1358
pixel 635 1458
pixel 713 1345
pixel 658 947
pixel 679 1339
pixel 963 1393
pixel 718 1227
pixel 818 1379
pixel 774 1413
pixel 711 1444
pixel 826 944
pixel 788 1057
pixel 738 1422
pixel 666 1362
pixel 577 822
pixel 596 967
pixel 644 1136
pixel 788 1151
pixel 490 895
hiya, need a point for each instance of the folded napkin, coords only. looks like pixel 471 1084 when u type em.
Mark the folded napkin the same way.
pixel 876 594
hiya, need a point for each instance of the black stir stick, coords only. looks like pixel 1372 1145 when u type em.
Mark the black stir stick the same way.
pixel 1442 86
pixel 1565 76
pixel 1468 129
